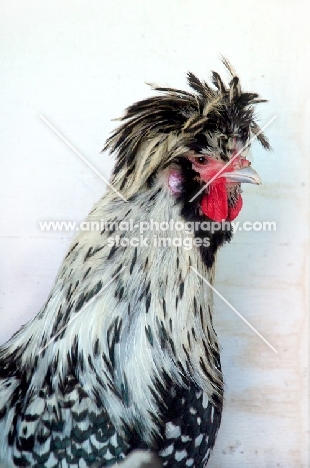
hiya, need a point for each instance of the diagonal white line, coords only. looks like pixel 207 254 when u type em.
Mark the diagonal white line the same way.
pixel 235 310
pixel 82 157
pixel 234 157
pixel 83 308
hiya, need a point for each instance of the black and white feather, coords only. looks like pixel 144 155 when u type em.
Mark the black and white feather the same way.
pixel 109 367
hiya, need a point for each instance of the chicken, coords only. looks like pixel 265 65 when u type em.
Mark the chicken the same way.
pixel 123 356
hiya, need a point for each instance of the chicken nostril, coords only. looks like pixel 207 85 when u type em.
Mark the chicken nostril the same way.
pixel 245 162
pixel 240 162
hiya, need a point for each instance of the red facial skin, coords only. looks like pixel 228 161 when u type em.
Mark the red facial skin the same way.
pixel 214 203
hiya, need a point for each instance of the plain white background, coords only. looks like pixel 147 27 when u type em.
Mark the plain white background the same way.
pixel 79 64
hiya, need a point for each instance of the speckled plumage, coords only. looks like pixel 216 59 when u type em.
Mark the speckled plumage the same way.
pixel 107 367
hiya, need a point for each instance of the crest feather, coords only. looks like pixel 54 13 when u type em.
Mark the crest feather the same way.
pixel 156 129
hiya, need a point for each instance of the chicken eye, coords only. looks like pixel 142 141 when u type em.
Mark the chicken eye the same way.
pixel 202 160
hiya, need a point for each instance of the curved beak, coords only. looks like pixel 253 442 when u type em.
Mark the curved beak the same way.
pixel 246 174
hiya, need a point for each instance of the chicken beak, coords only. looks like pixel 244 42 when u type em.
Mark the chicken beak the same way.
pixel 246 174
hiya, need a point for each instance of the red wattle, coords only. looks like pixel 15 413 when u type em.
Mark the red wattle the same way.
pixel 233 211
pixel 215 204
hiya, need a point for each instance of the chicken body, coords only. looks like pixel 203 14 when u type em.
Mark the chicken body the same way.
pixel 124 355
pixel 118 366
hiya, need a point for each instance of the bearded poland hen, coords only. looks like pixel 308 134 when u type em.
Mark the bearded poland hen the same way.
pixel 122 363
